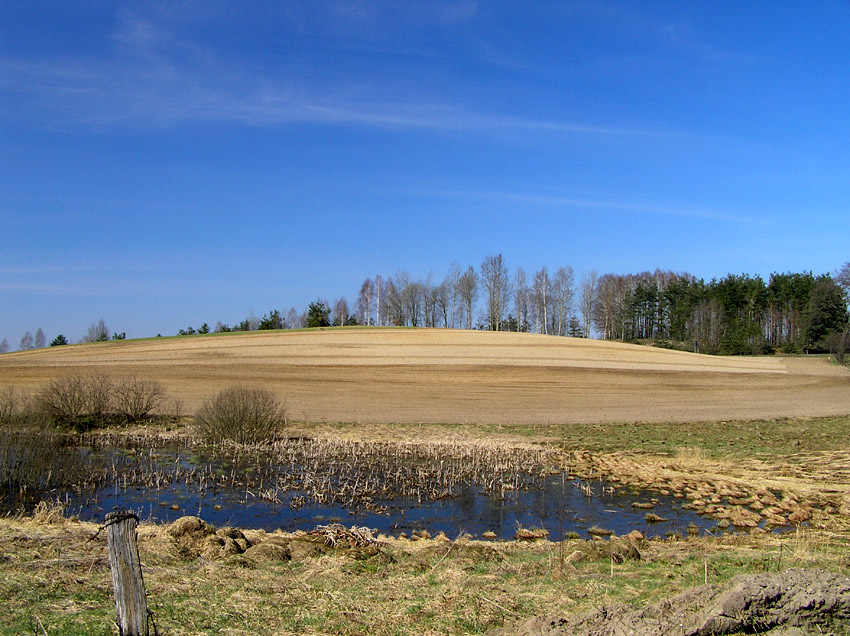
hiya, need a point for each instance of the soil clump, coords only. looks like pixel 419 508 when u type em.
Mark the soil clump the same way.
pixel 796 602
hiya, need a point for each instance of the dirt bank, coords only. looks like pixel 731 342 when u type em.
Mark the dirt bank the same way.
pixel 798 602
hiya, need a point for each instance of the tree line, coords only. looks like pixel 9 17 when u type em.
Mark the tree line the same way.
pixel 97 332
pixel 737 314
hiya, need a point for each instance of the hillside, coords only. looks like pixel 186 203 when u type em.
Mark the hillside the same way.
pixel 424 375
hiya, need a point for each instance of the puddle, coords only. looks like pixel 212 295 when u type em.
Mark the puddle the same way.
pixel 169 483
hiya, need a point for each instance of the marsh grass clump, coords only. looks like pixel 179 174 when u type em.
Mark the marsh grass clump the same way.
pixel 35 458
pixel 241 414
pixel 359 474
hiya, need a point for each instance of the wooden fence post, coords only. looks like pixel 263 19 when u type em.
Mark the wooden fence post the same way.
pixel 126 569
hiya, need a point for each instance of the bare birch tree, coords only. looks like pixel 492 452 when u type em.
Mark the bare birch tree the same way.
pixel 467 292
pixel 609 306
pixel 541 295
pixel 442 300
pixel 294 320
pixel 365 301
pixel 521 299
pixel 562 300
pixel 380 300
pixel 587 300
pixel 494 274
pixel 27 342
pixel 428 299
pixel 98 332
pixel 394 310
pixel 340 313
pixel 413 304
pixel 450 283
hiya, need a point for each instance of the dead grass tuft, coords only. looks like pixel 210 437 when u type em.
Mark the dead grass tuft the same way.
pixel 49 513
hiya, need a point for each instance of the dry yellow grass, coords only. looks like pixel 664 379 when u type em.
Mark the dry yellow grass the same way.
pixel 437 375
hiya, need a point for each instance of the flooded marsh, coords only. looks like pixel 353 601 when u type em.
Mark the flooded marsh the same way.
pixel 393 487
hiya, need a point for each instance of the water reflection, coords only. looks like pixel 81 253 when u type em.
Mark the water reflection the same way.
pixel 559 503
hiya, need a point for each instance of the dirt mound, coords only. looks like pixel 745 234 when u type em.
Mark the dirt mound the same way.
pixel 796 602
pixel 616 550
pixel 193 537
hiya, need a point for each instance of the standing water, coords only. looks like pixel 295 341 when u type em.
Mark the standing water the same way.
pixel 390 487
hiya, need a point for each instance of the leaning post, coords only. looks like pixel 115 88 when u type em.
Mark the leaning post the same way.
pixel 130 601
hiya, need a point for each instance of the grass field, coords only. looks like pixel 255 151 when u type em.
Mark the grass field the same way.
pixel 769 432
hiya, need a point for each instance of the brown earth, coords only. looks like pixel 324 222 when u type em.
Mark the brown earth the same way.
pixel 438 375
pixel 795 602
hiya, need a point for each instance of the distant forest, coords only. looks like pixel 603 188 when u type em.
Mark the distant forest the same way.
pixel 737 314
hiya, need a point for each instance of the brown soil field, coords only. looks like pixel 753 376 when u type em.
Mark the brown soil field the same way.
pixel 446 376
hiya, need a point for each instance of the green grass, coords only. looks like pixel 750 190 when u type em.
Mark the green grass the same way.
pixel 726 439
pixel 459 592
pixel 732 439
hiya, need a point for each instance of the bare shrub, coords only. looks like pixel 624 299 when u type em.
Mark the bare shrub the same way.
pixel 241 414
pixel 136 399
pixel 63 400
pixel 8 406
pixel 176 410
pixel 19 411
pixel 99 391
pixel 81 402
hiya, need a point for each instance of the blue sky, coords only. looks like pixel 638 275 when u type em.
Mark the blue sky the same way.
pixel 168 164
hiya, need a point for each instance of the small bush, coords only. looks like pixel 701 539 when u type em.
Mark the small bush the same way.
pixel 838 343
pixel 81 402
pixel 63 400
pixel 99 393
pixel 136 399
pixel 791 347
pixel 86 402
pixel 241 414
pixel 8 406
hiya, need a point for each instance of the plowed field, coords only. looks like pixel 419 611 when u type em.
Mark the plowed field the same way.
pixel 437 375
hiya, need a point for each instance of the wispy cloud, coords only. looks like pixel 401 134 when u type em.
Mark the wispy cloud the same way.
pixel 93 271
pixel 76 95
pixel 417 13
pixel 155 78
pixel 569 203
pixel 129 283
pixel 637 22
